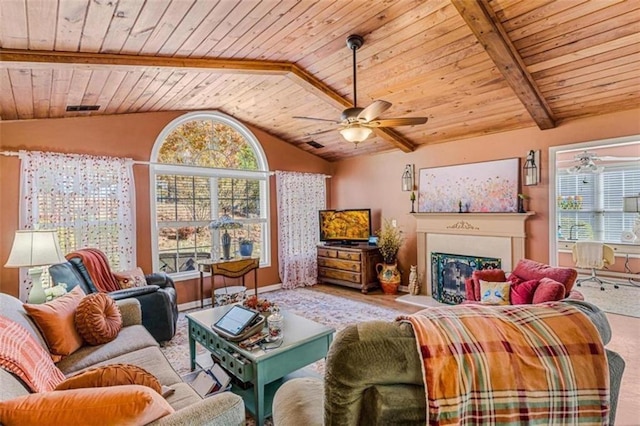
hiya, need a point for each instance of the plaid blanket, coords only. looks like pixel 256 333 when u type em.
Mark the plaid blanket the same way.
pixel 524 364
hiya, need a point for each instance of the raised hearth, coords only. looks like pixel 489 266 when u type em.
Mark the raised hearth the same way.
pixel 495 235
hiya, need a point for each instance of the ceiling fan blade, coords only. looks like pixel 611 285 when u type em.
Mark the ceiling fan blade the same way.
pixel 374 110
pixel 320 132
pixel 317 119
pixel 392 122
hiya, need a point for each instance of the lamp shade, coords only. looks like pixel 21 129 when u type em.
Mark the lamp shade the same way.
pixel 355 133
pixel 34 248
pixel 631 204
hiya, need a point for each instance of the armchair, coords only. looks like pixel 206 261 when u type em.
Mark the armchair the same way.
pixel 157 299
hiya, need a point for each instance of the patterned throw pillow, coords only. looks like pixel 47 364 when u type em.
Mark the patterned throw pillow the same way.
pixel 131 278
pixel 98 319
pixel 21 355
pixel 494 293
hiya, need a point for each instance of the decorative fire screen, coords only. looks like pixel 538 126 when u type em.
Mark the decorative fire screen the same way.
pixel 449 272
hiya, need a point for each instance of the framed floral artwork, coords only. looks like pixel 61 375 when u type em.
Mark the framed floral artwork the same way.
pixel 487 187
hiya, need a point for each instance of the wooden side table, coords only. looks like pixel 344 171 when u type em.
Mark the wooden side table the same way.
pixel 233 268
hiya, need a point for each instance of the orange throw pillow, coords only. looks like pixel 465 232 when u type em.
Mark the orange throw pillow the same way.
pixel 98 319
pixel 55 321
pixel 132 278
pixel 112 375
pixel 115 405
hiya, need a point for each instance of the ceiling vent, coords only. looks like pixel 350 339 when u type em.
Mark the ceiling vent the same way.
pixel 81 108
pixel 315 144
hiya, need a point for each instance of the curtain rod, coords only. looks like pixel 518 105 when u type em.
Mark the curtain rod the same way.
pixel 150 163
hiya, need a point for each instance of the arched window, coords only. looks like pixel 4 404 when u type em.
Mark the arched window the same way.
pixel 206 165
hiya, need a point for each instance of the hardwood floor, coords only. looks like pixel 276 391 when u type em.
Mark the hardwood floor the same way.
pixel 625 340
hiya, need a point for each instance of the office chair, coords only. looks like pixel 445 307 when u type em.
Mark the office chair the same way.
pixel 595 256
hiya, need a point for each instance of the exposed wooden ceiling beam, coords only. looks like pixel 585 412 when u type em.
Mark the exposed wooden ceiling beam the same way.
pixel 295 73
pixel 487 28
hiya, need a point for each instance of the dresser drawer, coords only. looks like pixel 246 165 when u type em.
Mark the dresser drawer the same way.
pixel 349 255
pixel 339 275
pixel 344 265
pixel 327 252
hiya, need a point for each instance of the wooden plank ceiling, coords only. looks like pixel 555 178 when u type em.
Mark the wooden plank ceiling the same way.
pixel 472 67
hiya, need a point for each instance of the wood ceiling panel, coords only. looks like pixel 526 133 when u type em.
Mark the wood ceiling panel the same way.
pixel 426 57
pixel 70 21
pixel 7 102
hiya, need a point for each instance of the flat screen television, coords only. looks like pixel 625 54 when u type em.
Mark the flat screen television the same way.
pixel 345 226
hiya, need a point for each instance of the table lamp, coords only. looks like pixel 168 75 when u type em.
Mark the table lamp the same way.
pixel 34 249
pixel 632 205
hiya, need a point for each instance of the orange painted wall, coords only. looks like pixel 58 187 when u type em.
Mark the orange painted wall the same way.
pixel 133 136
pixel 374 181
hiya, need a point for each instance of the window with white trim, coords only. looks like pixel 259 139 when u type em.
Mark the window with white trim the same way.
pixel 206 165
pixel 590 205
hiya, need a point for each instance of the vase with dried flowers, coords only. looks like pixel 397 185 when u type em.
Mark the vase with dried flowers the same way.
pixel 390 240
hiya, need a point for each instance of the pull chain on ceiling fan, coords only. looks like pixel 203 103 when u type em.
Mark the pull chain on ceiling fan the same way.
pixel 356 124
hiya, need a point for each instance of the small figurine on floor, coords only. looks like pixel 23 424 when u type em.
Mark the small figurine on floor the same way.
pixel 414 287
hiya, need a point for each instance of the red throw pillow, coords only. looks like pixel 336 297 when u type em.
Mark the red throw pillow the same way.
pixel 522 292
pixel 548 291
pixel 490 275
pixel 527 269
pixel 98 319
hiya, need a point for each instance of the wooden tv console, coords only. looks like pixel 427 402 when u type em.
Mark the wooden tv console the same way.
pixel 351 266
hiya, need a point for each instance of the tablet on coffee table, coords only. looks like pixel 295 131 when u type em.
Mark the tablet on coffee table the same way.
pixel 236 320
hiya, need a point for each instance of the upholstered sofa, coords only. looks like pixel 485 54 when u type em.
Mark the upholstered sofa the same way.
pixel 133 345
pixel 373 376
pixel 157 299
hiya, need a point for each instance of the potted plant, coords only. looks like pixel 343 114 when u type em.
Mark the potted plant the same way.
pixel 246 247
pixel 389 241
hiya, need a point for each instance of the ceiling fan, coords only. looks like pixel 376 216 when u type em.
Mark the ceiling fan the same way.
pixel 355 123
pixel 587 162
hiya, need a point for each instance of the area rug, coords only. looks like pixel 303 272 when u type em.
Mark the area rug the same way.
pixel 333 311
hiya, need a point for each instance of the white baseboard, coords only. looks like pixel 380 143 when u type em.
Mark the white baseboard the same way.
pixel 207 302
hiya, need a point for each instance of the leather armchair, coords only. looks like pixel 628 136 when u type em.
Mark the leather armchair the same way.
pixel 157 299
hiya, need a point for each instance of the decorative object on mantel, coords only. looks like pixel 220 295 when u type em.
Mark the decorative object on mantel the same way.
pixel 414 285
pixel 225 222
pixel 488 187
pixel 390 240
pixel 531 170
pixel 413 201
pixel 521 199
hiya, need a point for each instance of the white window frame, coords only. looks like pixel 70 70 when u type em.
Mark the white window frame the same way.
pixel 262 175
pixel 553 151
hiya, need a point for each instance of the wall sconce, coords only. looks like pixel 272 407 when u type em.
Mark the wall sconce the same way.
pixel 407 178
pixel 531 169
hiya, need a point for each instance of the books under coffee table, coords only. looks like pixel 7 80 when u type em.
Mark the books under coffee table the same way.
pixel 304 342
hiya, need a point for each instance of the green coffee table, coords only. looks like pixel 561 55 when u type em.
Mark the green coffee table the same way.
pixel 304 342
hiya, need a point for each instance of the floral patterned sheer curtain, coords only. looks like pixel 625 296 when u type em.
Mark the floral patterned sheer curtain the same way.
pixel 88 199
pixel 300 196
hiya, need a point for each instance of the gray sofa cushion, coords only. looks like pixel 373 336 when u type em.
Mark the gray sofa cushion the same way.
pixel 129 339
pixel 152 360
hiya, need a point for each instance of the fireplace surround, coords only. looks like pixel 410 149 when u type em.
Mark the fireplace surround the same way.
pixel 490 235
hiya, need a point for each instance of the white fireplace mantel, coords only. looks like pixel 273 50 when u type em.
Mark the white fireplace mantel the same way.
pixel 500 235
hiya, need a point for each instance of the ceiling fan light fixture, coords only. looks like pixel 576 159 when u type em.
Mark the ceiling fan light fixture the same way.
pixel 356 133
